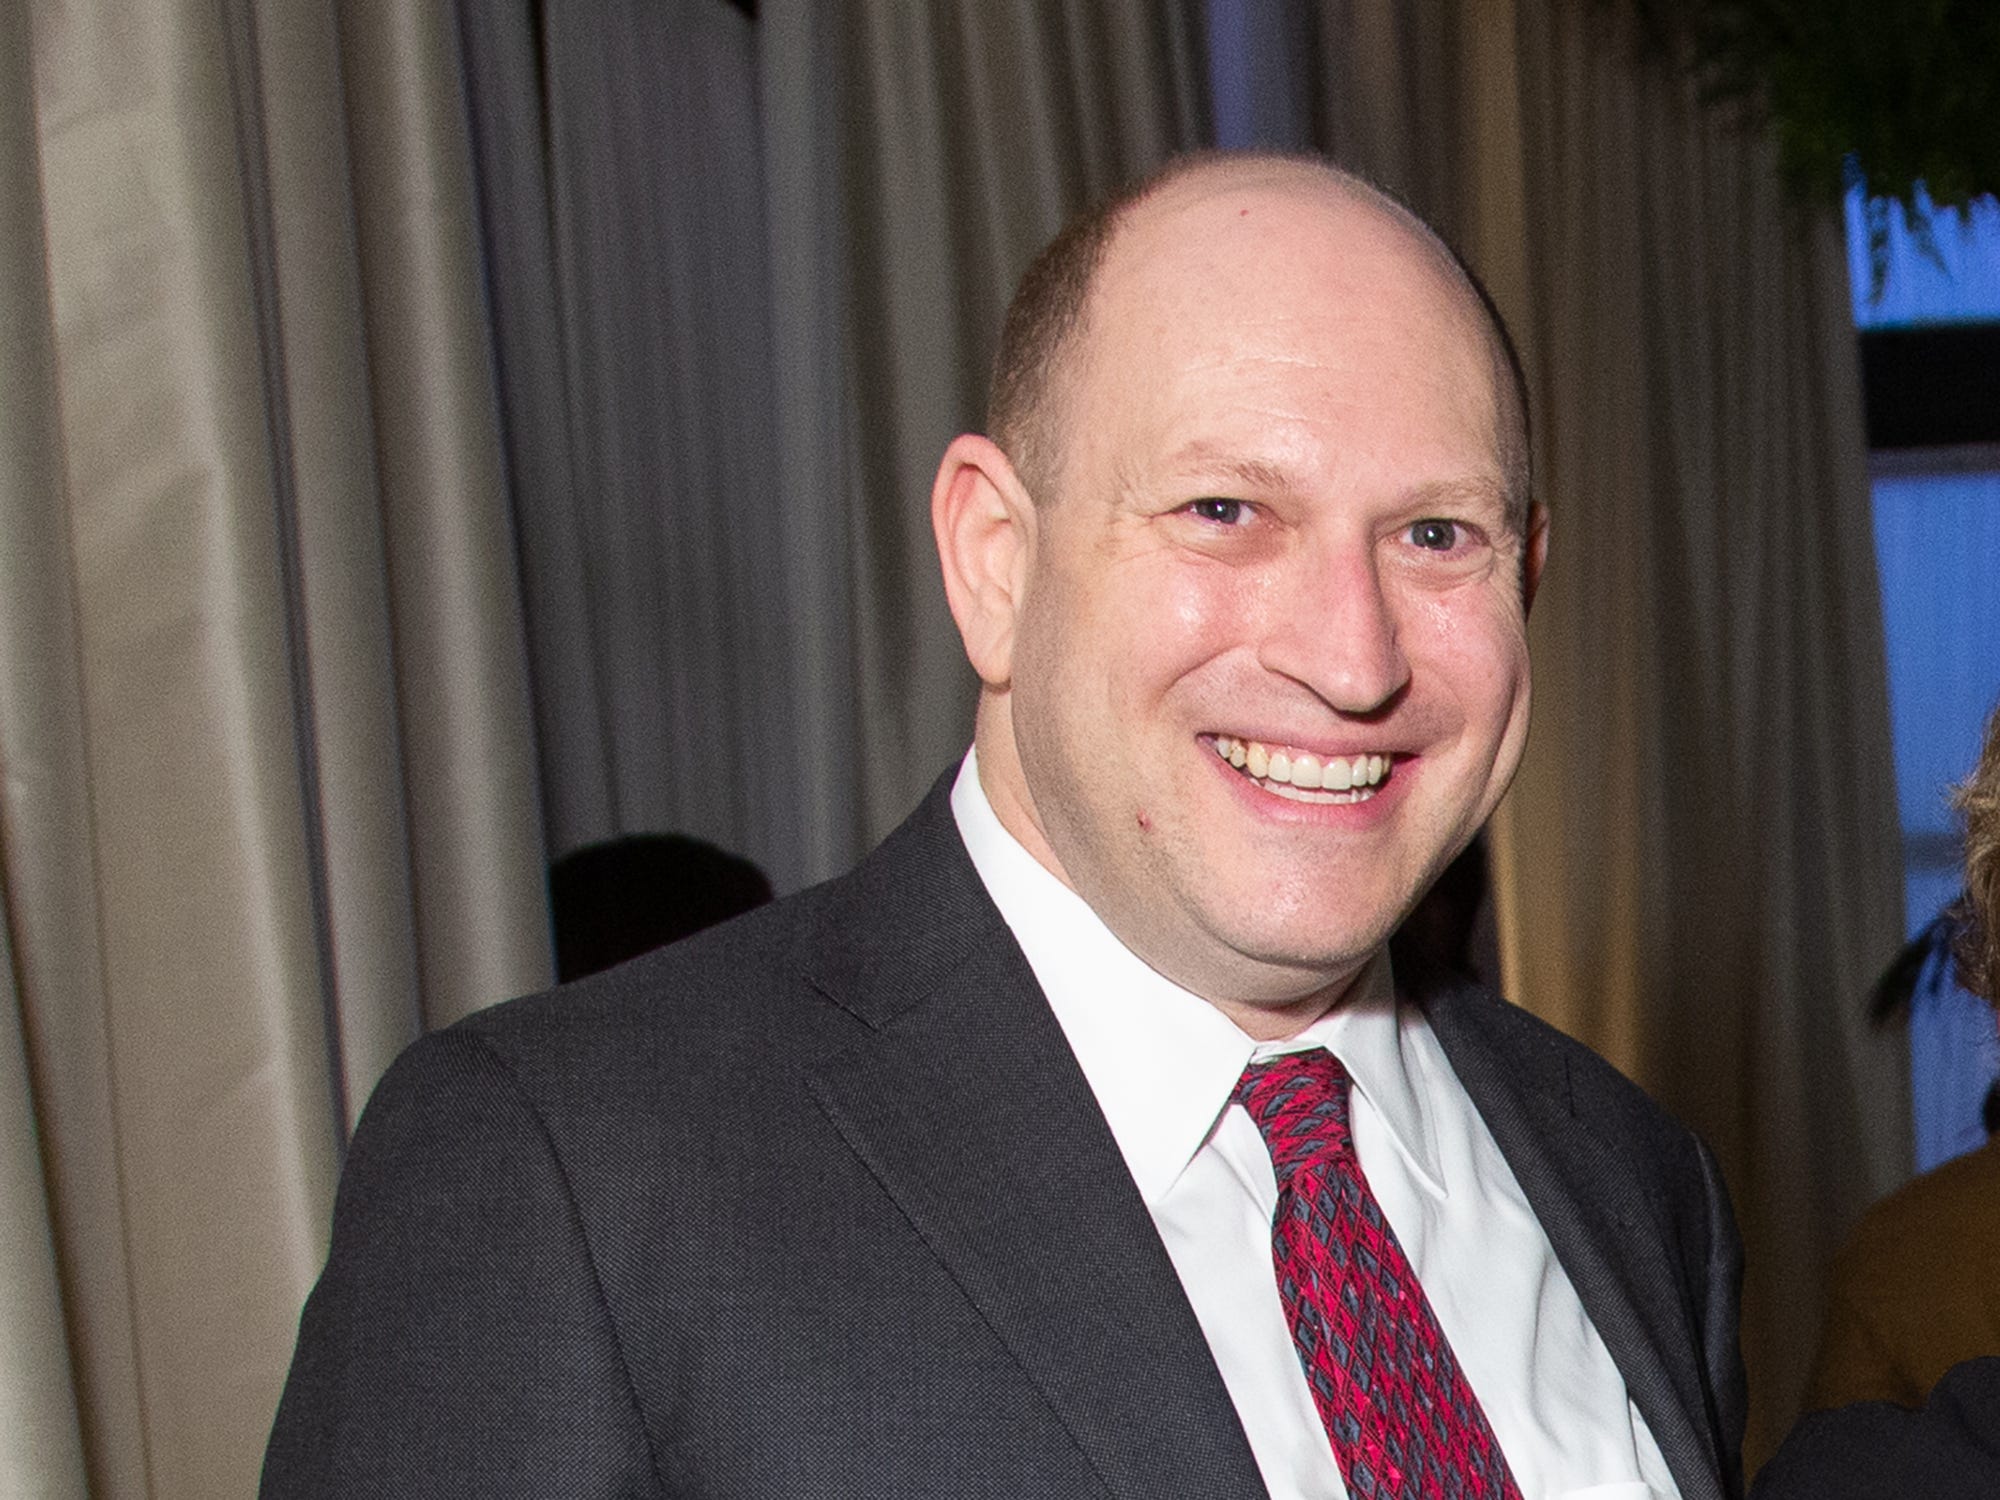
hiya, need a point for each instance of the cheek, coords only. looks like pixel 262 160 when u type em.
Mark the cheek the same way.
pixel 1052 635
pixel 1199 608
pixel 1198 598
pixel 1155 628
pixel 1479 641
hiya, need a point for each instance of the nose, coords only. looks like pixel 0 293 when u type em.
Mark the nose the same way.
pixel 1332 627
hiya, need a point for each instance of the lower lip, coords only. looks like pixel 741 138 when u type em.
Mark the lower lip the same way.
pixel 1388 792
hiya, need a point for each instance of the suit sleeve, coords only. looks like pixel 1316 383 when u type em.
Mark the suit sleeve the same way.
pixel 458 1342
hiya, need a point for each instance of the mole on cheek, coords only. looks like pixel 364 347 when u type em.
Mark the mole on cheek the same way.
pixel 1145 822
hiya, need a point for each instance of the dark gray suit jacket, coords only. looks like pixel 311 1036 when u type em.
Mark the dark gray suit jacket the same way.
pixel 819 1204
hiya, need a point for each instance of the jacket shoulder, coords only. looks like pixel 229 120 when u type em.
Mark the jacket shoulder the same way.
pixel 800 972
pixel 726 981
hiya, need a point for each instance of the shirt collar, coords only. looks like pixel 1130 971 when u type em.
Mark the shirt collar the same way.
pixel 1162 1061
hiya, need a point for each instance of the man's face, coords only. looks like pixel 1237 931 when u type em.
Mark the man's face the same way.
pixel 1269 670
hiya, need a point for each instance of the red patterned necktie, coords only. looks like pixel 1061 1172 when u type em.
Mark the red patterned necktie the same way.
pixel 1404 1423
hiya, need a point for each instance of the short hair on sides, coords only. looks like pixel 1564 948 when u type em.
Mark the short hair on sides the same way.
pixel 1039 329
pixel 1048 308
pixel 1976 941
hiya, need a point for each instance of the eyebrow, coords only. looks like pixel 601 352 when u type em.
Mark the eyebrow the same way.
pixel 1206 458
pixel 1469 491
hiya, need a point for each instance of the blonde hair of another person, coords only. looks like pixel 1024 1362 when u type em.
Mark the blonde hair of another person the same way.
pixel 1976 945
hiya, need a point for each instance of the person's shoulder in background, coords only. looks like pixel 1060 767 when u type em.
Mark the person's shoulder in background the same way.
pixel 1915 1289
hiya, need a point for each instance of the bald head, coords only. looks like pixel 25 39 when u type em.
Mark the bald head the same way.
pixel 1049 323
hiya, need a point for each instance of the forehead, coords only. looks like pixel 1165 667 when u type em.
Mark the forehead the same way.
pixel 1283 235
pixel 1284 299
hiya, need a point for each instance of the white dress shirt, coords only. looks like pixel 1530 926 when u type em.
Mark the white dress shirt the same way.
pixel 1163 1063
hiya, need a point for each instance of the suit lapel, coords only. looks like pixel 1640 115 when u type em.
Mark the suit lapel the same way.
pixel 963 1099
pixel 1609 1234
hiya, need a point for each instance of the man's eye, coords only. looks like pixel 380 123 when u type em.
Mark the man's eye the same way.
pixel 1434 536
pixel 1222 512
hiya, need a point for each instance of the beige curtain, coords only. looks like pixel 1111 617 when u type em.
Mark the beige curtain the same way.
pixel 1697 870
pixel 266 793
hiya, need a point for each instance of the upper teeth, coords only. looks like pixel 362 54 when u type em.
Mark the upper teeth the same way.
pixel 1301 768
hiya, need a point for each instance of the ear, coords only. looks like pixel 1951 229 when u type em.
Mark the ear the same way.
pixel 1537 554
pixel 984 521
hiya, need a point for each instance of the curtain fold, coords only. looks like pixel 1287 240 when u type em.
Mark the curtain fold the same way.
pixel 631 300
pixel 192 1076
pixel 43 1451
pixel 503 71
pixel 476 849
pixel 813 426
pixel 329 501
pixel 47 919
pixel 266 791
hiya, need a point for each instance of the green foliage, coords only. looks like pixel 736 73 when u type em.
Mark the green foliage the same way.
pixel 1909 88
pixel 1898 97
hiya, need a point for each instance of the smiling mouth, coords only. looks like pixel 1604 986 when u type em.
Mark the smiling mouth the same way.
pixel 1301 776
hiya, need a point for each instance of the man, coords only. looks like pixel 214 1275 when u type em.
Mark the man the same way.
pixel 961 1176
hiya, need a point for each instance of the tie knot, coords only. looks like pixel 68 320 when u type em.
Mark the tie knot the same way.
pixel 1299 1102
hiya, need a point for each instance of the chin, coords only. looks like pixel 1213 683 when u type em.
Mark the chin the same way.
pixel 1295 959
